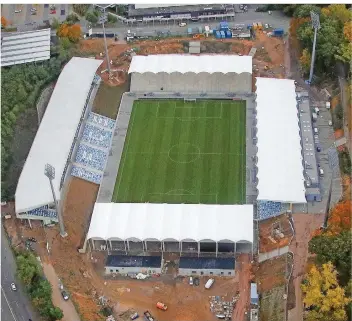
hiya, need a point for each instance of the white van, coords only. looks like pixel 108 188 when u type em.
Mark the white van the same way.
pixel 315 130
pixel 317 110
pixel 327 105
pixel 209 283
pixel 321 172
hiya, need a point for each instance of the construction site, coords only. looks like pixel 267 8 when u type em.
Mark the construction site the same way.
pixel 91 290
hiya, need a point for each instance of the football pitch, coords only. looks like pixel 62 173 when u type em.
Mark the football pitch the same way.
pixel 184 152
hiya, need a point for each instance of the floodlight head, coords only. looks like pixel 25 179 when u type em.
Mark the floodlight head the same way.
pixel 103 18
pixel 49 171
pixel 315 20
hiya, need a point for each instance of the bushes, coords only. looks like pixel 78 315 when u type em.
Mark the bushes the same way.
pixel 72 32
pixel 81 9
pixel 338 117
pixel 112 18
pixel 20 89
pixel 345 162
pixel 39 289
pixel 91 17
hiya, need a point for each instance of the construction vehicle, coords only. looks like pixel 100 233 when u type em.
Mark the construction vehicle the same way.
pixel 148 316
pixel 134 316
pixel 198 36
pixel 161 306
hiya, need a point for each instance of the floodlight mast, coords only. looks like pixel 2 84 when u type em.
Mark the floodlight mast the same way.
pixel 49 172
pixel 102 19
pixel 316 25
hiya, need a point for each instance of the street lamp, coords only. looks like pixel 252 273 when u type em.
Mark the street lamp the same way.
pixel 49 172
pixel 316 25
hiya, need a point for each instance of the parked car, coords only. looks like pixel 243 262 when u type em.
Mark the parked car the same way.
pixel 18 11
pixel 13 287
pixel 65 295
pixel 266 26
pixel 182 24
pixel 196 281
pixel 330 123
pixel 269 12
pixel 32 239
pixel 190 280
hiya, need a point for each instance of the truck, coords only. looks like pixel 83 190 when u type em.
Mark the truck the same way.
pixel 279 32
pixel 314 117
pixel 161 306
pixel 148 316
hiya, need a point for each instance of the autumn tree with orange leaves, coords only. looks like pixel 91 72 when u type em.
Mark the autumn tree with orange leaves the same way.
pixel 72 32
pixel 3 22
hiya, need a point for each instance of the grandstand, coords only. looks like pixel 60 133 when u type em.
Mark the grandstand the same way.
pixel 56 140
pixel 186 74
pixel 279 156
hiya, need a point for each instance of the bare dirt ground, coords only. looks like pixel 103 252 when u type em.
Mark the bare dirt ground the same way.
pixel 305 225
pixel 269 60
pixel 271 277
pixel 78 272
pixel 267 241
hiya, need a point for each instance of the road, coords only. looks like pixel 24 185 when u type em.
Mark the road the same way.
pixel 276 19
pixel 15 306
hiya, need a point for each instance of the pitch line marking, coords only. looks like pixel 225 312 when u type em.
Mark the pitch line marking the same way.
pixel 124 161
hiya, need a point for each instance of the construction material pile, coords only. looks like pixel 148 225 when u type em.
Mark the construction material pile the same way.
pixel 221 308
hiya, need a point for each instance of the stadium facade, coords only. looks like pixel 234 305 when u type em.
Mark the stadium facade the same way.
pixel 192 230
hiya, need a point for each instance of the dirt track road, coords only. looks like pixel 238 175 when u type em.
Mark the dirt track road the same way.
pixel 67 307
pixel 243 271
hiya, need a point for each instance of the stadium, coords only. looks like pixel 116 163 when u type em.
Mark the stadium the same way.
pixel 192 162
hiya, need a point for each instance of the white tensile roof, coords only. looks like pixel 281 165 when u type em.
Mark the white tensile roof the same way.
pixel 55 135
pixel 173 222
pixel 280 169
pixel 196 64
pixel 23 47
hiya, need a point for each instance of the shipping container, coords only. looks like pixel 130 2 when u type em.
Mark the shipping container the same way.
pixel 278 32
pixel 228 34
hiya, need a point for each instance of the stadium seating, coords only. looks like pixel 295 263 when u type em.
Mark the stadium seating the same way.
pixel 96 136
pixel 91 157
pixel 86 174
pixel 101 120
pixel 267 209
pixel 43 211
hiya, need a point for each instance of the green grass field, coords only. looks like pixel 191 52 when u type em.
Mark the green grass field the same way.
pixel 184 152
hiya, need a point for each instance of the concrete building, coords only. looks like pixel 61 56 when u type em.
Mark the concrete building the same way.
pixel 206 266
pixel 187 73
pixel 123 264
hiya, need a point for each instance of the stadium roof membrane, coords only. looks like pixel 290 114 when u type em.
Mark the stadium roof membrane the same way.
pixel 23 47
pixel 55 135
pixel 280 169
pixel 195 64
pixel 171 222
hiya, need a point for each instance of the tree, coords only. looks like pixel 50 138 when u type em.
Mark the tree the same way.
pixel 323 296
pixel 63 30
pixel 72 18
pixel 27 268
pixel 55 24
pixel 335 249
pixel 3 22
pixel 81 9
pixel 304 10
pixel 91 18
pixel 347 30
pixel 74 33
pixel 340 216
pixel 337 11
pixel 305 60
pixel 55 313
pixel 111 18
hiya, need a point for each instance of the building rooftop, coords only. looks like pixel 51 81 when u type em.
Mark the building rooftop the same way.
pixel 163 10
pixel 23 47
pixel 133 261
pixel 207 263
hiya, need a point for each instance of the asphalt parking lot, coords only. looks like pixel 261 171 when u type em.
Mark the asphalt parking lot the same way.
pixel 23 16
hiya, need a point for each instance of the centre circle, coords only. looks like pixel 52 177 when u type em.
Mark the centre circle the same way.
pixel 184 153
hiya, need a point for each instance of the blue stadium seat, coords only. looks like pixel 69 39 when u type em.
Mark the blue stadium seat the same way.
pixel 87 175
pixel 101 120
pixel 43 211
pixel 91 157
pixel 96 136
pixel 267 209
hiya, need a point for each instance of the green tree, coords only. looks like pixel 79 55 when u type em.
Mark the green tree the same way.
pixel 91 17
pixel 55 24
pixel 304 10
pixel 27 268
pixel 81 9
pixel 112 18
pixel 55 313
pixel 336 249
